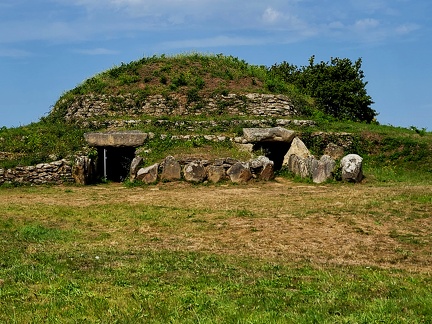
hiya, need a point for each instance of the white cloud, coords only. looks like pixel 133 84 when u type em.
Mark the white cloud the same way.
pixel 96 51
pixel 271 16
pixel 368 23
pixel 406 29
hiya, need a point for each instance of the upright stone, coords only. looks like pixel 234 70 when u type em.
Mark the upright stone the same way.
pixel 171 169
pixel 324 169
pixel 82 171
pixel 149 174
pixel 297 148
pixel 134 167
pixel 352 168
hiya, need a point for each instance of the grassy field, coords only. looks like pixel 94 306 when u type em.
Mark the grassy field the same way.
pixel 276 252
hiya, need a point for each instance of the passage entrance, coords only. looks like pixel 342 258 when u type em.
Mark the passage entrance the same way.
pixel 114 162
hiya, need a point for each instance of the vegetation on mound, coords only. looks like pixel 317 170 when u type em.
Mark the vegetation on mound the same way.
pixel 390 152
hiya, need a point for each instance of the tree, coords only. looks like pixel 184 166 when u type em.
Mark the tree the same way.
pixel 337 86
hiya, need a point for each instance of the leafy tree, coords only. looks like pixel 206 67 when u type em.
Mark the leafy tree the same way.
pixel 337 86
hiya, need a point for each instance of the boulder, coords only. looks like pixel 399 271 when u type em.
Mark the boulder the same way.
pixel 324 169
pixel 273 134
pixel 83 170
pixel 239 173
pixel 171 169
pixel 297 148
pixel 352 168
pixel 134 167
pixel 216 173
pixel 303 167
pixel 262 167
pixel 194 172
pixel 149 174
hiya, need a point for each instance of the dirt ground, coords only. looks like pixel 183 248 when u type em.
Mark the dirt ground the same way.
pixel 339 224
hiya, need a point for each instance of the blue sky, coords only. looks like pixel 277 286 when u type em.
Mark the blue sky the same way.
pixel 49 46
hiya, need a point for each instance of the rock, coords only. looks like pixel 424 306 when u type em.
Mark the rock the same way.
pixel 239 173
pixel 334 151
pixel 149 174
pixel 116 139
pixel 352 168
pixel 171 169
pixel 216 173
pixel 194 172
pixel 324 169
pixel 273 134
pixel 262 167
pixel 297 148
pixel 82 170
pixel 303 167
pixel 134 167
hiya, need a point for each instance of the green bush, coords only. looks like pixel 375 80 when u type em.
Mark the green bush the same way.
pixel 337 86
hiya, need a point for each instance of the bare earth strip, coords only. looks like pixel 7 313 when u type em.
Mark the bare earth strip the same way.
pixel 372 226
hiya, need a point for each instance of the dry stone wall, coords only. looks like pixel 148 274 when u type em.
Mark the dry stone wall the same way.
pixel 88 107
pixel 56 172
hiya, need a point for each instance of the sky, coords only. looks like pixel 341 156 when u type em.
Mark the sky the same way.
pixel 48 47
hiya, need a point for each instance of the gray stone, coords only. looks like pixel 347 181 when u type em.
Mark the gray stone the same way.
pixel 171 169
pixel 262 167
pixel 134 167
pixel 352 168
pixel 148 174
pixel 273 134
pixel 324 169
pixel 239 173
pixel 216 173
pixel 116 139
pixel 82 170
pixel 302 167
pixel 297 148
pixel 194 172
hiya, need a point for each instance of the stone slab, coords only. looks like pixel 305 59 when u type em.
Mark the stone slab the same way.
pixel 116 139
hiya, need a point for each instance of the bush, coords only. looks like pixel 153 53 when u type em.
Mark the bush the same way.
pixel 337 86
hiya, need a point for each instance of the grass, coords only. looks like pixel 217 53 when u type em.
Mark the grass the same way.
pixel 278 252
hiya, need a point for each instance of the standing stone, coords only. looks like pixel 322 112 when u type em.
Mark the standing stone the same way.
pixel 324 169
pixel 134 167
pixel 239 173
pixel 171 169
pixel 297 148
pixel 149 174
pixel 194 172
pixel 216 173
pixel 352 168
pixel 82 171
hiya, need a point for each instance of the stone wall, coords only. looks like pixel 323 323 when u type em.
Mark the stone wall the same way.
pixel 92 106
pixel 56 172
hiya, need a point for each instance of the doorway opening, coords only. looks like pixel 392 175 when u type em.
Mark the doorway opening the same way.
pixel 114 162
pixel 275 151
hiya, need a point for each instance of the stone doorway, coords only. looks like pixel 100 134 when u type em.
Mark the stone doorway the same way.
pixel 114 163
pixel 116 150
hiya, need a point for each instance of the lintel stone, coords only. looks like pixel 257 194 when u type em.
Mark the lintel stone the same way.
pixel 116 139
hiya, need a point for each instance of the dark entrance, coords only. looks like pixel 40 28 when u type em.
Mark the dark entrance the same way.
pixel 275 151
pixel 114 162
